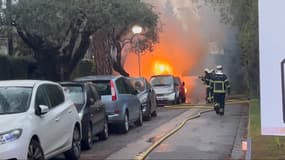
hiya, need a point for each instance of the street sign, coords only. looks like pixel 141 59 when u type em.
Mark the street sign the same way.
pixel 272 67
pixel 215 49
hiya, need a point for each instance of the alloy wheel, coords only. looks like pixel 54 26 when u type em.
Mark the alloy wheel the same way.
pixel 35 152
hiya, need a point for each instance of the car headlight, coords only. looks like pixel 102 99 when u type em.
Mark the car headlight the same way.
pixel 10 136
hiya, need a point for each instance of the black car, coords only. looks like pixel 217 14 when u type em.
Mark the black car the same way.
pixel 91 111
pixel 146 95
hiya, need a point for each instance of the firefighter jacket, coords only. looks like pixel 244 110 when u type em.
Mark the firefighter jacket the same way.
pixel 206 79
pixel 220 83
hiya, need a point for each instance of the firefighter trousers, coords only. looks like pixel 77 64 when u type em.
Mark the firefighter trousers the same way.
pixel 220 99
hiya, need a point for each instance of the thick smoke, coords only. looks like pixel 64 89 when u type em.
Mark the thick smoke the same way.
pixel 188 28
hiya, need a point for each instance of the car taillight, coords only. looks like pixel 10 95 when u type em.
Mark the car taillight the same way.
pixel 113 91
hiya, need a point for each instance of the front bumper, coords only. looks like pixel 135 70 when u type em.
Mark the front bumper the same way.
pixel 17 149
pixel 165 98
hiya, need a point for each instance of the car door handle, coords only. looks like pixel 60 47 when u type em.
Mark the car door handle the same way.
pixel 57 119
pixel 70 111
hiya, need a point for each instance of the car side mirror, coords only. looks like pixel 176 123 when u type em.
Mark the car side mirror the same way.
pixel 42 109
pixel 91 101
pixel 183 83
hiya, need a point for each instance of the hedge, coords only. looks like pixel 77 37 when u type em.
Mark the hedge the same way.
pixel 17 67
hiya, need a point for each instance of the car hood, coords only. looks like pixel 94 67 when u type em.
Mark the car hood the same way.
pixel 163 89
pixel 12 121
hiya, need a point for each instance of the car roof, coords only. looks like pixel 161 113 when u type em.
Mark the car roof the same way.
pixel 20 83
pixel 99 77
pixel 73 83
pixel 163 75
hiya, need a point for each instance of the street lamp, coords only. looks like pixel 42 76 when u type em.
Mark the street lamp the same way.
pixel 136 29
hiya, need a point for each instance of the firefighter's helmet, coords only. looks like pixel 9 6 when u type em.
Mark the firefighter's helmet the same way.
pixel 206 70
pixel 219 67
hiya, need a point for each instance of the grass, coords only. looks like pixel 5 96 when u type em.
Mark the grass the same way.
pixel 263 147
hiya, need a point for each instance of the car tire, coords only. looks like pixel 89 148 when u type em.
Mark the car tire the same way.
pixel 148 116
pixel 35 151
pixel 139 122
pixel 105 132
pixel 154 114
pixel 74 152
pixel 124 126
pixel 88 142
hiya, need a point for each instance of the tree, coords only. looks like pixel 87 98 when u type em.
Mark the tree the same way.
pixel 109 42
pixel 59 31
pixel 244 15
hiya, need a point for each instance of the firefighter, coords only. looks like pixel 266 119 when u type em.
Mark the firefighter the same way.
pixel 219 85
pixel 206 79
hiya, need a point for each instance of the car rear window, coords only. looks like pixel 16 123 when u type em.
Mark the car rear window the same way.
pixel 103 87
pixel 75 94
pixel 138 84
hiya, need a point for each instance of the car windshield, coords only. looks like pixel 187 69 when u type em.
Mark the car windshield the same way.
pixel 14 99
pixel 75 94
pixel 161 81
pixel 138 84
pixel 103 87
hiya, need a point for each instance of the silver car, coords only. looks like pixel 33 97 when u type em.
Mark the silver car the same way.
pixel 120 99
pixel 166 89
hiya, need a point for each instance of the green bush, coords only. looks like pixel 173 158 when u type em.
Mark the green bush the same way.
pixel 84 68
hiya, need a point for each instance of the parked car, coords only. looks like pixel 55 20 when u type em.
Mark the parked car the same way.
pixel 165 88
pixel 91 111
pixel 120 98
pixel 37 122
pixel 181 86
pixel 146 96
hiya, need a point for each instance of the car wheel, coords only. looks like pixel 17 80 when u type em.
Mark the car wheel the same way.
pixel 74 152
pixel 139 122
pixel 35 151
pixel 148 116
pixel 88 142
pixel 154 114
pixel 125 124
pixel 105 133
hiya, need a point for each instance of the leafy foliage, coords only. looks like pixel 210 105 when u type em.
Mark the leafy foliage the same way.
pixel 59 31
pixel 244 15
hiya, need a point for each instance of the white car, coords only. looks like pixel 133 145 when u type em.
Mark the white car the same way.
pixel 36 122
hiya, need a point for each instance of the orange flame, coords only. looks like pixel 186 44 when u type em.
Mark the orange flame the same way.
pixel 162 68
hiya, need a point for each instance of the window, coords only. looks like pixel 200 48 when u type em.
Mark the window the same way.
pixel 42 97
pixel 130 88
pixel 121 86
pixel 94 91
pixel 55 94
pixel 14 99
pixel 103 87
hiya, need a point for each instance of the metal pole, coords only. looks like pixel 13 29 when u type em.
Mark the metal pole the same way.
pixel 139 61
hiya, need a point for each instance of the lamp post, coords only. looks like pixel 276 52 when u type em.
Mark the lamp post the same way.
pixel 136 29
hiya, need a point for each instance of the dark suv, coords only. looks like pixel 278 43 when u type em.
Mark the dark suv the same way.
pixel 91 111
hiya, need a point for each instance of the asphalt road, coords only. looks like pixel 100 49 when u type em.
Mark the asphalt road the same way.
pixel 209 137
pixel 116 141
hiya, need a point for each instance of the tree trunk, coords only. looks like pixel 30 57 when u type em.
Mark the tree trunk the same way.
pixel 102 54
